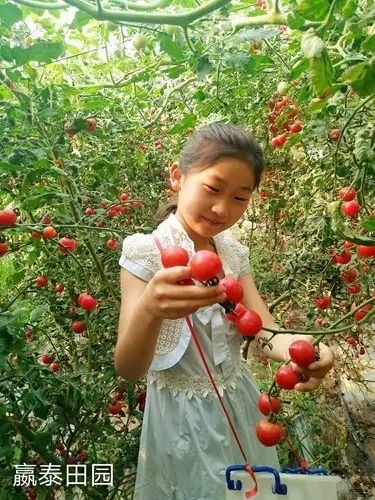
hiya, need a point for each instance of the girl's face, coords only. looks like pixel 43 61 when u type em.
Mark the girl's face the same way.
pixel 213 199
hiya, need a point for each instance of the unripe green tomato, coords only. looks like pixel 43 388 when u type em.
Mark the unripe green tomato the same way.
pixel 170 29
pixel 284 47
pixel 282 88
pixel 139 42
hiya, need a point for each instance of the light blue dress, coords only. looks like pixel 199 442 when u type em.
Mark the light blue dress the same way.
pixel 186 442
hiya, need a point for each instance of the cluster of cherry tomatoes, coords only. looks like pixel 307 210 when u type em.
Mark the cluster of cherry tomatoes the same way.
pixel 282 120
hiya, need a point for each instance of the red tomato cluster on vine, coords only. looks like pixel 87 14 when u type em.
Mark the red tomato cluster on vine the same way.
pixel 282 120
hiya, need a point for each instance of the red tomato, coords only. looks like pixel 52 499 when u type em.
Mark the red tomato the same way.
pixel 54 367
pixel 286 377
pixel 352 341
pixel 344 258
pixel 87 302
pixel 296 127
pixel 59 287
pixel 112 244
pixel 91 124
pixel 78 326
pixel 293 113
pixel 41 281
pixel 238 311
pixel 123 197
pixel 348 244
pixel 36 235
pixel 205 265
pixel 322 302
pixel 7 217
pixel 249 324
pixel 174 256
pixel 67 245
pixel 334 134
pixel 348 275
pixel 233 288
pixel 112 212
pixel 115 408
pixel 350 208
pixel 3 249
pixel 49 232
pixel 366 251
pixel 89 211
pixel 268 433
pixel 302 352
pixel 354 288
pixel 361 313
pixel 268 404
pixel 347 194
pixel 46 360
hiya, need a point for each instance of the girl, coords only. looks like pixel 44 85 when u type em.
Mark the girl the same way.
pixel 186 443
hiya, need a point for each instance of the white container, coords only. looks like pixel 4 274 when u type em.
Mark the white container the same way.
pixel 298 486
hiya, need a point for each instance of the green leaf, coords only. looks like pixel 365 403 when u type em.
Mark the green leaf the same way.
pixel 189 121
pixel 80 19
pixel 53 197
pixel 38 312
pixel 6 53
pixel 10 14
pixel 171 48
pixel 203 67
pixel 45 51
pixel 298 68
pixel 369 223
pixel 321 72
pixel 313 10
pixel 294 21
pixel 361 77
pixel 343 232
pixel 349 9
pixel 368 45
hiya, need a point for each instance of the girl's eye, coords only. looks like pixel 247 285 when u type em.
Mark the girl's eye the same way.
pixel 216 191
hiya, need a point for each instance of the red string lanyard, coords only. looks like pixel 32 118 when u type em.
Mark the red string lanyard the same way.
pixel 251 492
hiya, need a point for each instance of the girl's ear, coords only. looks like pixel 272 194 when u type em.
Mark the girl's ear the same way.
pixel 175 176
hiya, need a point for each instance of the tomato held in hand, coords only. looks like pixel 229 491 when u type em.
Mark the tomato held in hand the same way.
pixel 268 404
pixel 249 324
pixel 174 256
pixel 302 352
pixel 268 433
pixel 233 288
pixel 205 265
pixel 286 377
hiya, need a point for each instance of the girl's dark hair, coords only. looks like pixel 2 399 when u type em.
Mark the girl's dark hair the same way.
pixel 209 143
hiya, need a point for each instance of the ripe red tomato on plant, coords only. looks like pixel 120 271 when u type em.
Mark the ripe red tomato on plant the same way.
pixel 268 433
pixel 174 256
pixel 46 359
pixel 269 404
pixel 8 217
pixel 59 287
pixel 352 341
pixel 366 251
pixel 78 326
pixel 87 302
pixel 347 193
pixel 302 352
pixel 348 244
pixel 348 275
pixel 334 134
pixel 3 248
pixel 123 197
pixel 350 208
pixel 205 265
pixel 36 235
pixel 67 245
pixel 41 281
pixel 361 313
pixel 49 232
pixel 89 211
pixel 91 124
pixel 54 367
pixel 249 323
pixel 112 244
pixel 286 377
pixel 343 258
pixel 115 408
pixel 354 288
pixel 295 128
pixel 233 288
pixel 323 302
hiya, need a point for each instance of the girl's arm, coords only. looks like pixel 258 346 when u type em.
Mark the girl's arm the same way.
pixel 281 342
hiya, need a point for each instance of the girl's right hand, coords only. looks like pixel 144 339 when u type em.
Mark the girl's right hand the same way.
pixel 164 298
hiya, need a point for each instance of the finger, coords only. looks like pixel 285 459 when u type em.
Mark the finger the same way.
pixel 173 274
pixel 195 292
pixel 311 384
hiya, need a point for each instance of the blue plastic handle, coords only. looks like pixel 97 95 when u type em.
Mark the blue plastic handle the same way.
pixel 320 471
pixel 279 488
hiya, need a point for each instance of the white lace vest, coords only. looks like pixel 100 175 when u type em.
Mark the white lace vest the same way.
pixel 141 249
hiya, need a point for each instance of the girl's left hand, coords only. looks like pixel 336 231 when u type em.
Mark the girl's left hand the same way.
pixel 315 372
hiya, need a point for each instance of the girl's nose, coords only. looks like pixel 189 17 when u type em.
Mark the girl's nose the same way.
pixel 221 211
